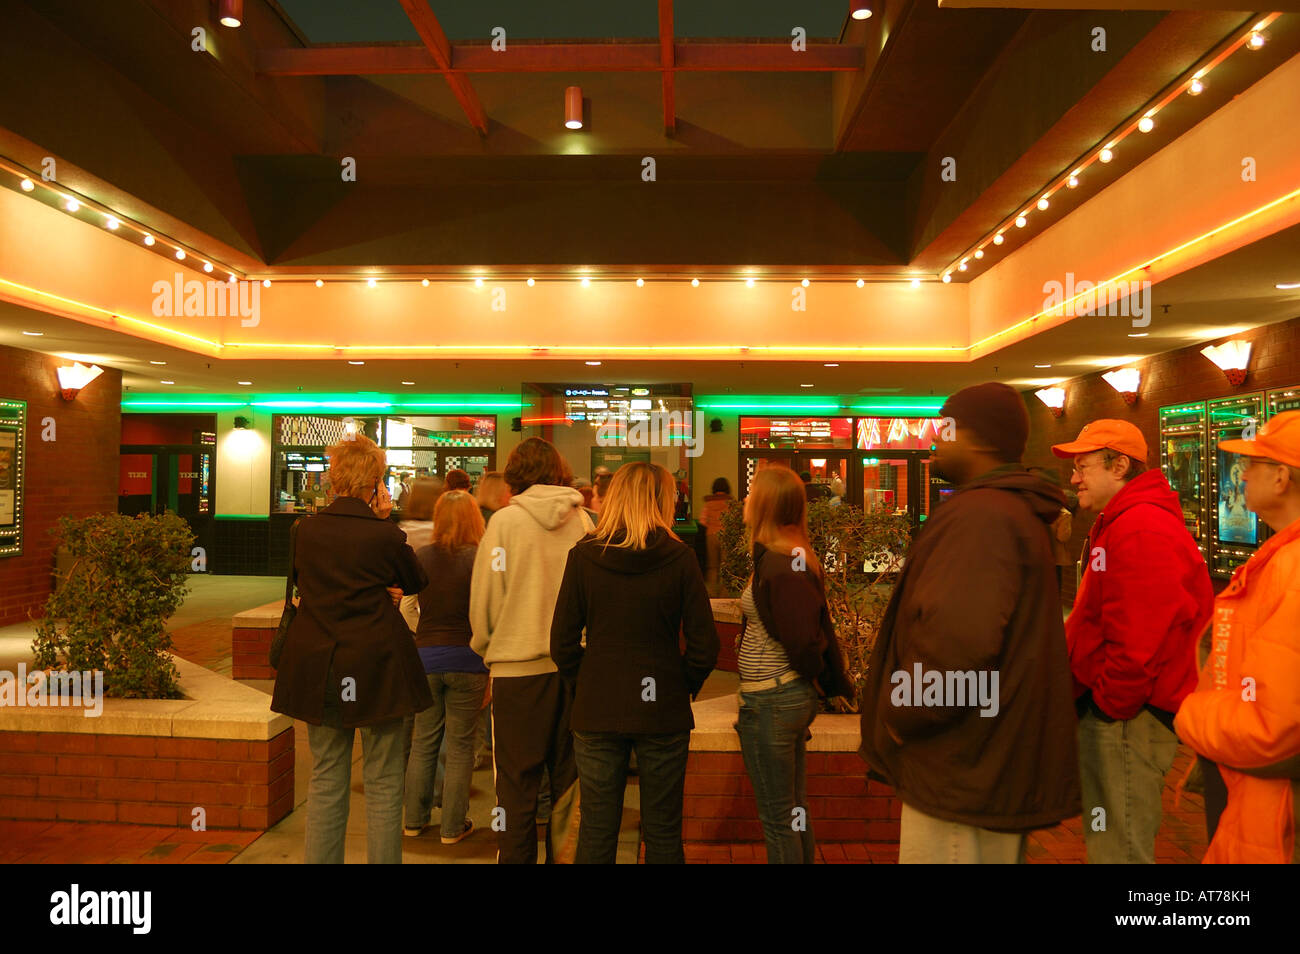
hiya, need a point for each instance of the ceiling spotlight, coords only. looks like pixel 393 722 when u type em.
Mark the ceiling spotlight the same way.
pixel 1146 124
pixel 594 364
pixel 1140 334
pixel 916 282
pixel 230 12
pixel 72 205
pixel 1196 87
pixel 320 283
pixel 1106 155
pixel 586 283
pixel 749 282
pixel 640 283
pixel 860 283
pixel 695 283
pixel 27 185
pixel 408 382
pixel 962 267
pixel 35 334
pixel 1286 286
pixel 1043 204
pixel 573 107
pixel 947 278
pixel 1042 366
pixel 1021 221
pixel 207 267
pixel 999 239
pixel 370 282
pixel 180 255
pixel 266 283
pixel 148 239
pixel 831 364
pixel 860 9
pixel 356 362
pixel 111 224
pixel 804 283
pixel 1072 182
pixel 806 385
pixel 478 283
pixel 424 282
pixel 157 362
pixel 979 253
pixel 244 383
pixel 531 282
pixel 1256 41
pixel 166 382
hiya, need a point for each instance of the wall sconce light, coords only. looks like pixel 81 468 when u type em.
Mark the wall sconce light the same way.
pixel 1231 357
pixel 73 379
pixel 1054 398
pixel 573 107
pixel 242 423
pixel 1125 381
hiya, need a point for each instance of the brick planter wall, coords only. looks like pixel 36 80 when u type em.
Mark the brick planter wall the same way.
pixel 250 651
pixel 727 633
pixel 147 780
pixel 843 806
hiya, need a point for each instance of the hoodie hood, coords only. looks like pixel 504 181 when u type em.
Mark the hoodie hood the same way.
pixel 661 549
pixel 1150 487
pixel 549 506
pixel 1043 498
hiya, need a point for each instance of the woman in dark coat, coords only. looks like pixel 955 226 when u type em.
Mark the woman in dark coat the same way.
pixel 349 661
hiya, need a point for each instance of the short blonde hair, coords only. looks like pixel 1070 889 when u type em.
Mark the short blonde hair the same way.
pixel 456 520
pixel 642 498
pixel 356 465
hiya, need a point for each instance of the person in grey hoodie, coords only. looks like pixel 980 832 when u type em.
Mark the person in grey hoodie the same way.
pixel 516 579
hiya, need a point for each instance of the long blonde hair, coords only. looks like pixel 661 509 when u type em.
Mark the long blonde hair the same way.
pixel 642 498
pixel 456 520
pixel 778 511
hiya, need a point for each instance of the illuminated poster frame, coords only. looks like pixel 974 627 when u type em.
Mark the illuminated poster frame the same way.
pixel 1183 462
pixel 1236 532
pixel 13 428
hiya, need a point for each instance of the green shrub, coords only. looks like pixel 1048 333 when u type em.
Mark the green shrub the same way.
pixel 127 576
pixel 737 562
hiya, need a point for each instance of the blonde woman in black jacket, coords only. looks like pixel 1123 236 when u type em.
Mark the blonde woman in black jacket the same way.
pixel 633 586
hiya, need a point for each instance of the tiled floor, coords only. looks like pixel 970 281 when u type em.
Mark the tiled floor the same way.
pixel 201 633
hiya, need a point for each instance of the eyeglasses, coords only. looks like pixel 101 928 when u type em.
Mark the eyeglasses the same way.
pixel 1105 461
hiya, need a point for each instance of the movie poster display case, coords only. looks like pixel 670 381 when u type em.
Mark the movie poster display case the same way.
pixel 13 427
pixel 1236 532
pixel 1283 399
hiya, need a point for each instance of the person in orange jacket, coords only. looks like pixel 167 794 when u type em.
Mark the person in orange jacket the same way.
pixel 1245 713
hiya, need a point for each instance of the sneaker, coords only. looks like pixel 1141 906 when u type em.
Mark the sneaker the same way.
pixel 415 832
pixel 455 839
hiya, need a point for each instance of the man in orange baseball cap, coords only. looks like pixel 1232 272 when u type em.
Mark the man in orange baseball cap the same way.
pixel 1144 598
pixel 1245 712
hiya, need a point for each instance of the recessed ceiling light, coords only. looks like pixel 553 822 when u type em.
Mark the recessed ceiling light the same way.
pixel 695 283
pixel 530 283
pixel 1106 155
pixel 1256 41
pixel 180 255
pixel 963 266
pixel 1042 366
pixel 1043 204
pixel 424 282
pixel 979 253
pixel 585 283
pixel 832 364
pixel 593 363
pixel 266 283
pixel 1146 124
pixel 478 283
pixel 166 382
pixel 245 383
pixel 947 278
pixel 111 223
pixel 231 277
pixel 319 283
pixel 999 239
pixel 157 362
pixel 148 239
pixel 1287 286
pixel 640 283
pixel 356 362
pixel 1196 86
pixel 1072 182
pixel 1140 334
pixel 72 205
pixel 860 283
pixel 804 283
pixel 408 382
pixel 207 266
pixel 27 185
pixel 1021 221
pixel 806 385
pixel 749 283
pixel 370 282
pixel 916 282
pixel 35 334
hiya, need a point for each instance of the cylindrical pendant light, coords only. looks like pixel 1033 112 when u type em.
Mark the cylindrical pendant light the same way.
pixel 230 12
pixel 573 107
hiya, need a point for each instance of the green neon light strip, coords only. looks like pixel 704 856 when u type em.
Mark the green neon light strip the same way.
pixel 781 403
pixel 363 401
pixel 241 516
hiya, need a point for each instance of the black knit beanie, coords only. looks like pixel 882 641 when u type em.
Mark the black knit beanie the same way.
pixel 996 413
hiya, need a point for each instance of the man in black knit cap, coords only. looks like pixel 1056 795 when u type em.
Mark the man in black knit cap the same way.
pixel 968 712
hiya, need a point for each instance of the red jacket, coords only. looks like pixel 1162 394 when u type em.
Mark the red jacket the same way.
pixel 1135 623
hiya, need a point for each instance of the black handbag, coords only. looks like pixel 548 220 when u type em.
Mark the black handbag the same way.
pixel 290 611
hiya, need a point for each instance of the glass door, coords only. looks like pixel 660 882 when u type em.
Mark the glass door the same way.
pixel 887 484
pixel 827 474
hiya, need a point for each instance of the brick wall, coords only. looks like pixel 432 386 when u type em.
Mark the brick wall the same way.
pixel 843 806
pixel 146 780
pixel 250 653
pixel 75 474
pixel 1171 378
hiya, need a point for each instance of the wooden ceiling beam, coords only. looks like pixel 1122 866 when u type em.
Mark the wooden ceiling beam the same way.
pixel 382 59
pixel 426 24
pixel 667 60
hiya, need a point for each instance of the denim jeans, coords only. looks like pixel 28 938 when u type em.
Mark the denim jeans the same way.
pixel 773 726
pixel 1122 768
pixel 602 779
pixel 457 700
pixel 329 795
pixel 926 840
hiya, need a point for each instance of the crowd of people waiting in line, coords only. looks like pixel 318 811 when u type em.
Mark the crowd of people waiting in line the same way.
pixel 590 631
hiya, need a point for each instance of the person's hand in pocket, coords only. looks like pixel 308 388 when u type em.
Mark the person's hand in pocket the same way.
pixel 396 593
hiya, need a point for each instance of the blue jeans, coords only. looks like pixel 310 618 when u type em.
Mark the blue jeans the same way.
pixel 602 759
pixel 457 701
pixel 773 727
pixel 1122 768
pixel 329 794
